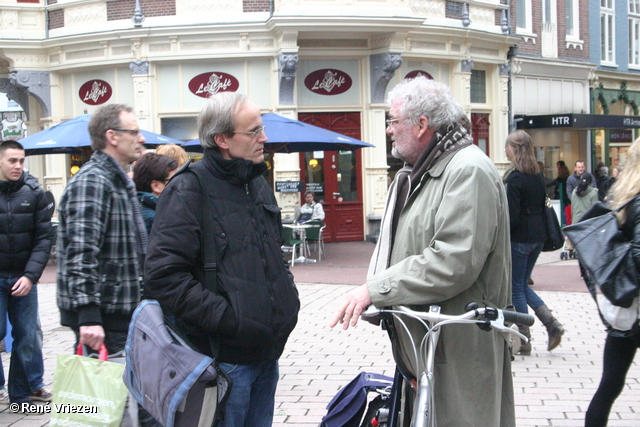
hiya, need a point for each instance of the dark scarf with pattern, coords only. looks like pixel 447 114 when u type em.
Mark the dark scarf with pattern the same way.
pixel 446 140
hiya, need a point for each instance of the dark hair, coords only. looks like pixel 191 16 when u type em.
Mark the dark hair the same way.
pixel 561 163
pixel 107 117
pixel 585 182
pixel 152 167
pixel 5 145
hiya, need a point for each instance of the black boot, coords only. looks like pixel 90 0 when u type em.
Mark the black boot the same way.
pixel 554 327
pixel 525 346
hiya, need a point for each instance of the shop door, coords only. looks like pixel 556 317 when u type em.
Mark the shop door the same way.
pixel 336 178
pixel 480 131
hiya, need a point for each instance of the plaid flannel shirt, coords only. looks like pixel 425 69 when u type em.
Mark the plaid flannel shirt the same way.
pixel 98 258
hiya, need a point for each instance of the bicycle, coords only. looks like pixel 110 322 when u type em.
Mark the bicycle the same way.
pixel 386 414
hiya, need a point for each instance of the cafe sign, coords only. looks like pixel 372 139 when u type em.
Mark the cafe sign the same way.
pixel 418 73
pixel 95 92
pixel 207 84
pixel 328 82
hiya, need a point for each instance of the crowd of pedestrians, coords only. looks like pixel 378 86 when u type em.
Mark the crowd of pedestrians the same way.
pixel 120 241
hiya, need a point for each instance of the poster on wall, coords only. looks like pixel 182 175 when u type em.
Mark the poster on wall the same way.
pixel 95 92
pixel 328 82
pixel 207 84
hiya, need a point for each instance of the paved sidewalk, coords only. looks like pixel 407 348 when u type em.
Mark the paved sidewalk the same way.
pixel 552 389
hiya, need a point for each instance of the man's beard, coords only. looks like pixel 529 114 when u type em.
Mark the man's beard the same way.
pixel 396 153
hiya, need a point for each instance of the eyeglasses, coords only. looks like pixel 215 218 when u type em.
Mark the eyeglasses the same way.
pixel 132 132
pixel 392 122
pixel 253 133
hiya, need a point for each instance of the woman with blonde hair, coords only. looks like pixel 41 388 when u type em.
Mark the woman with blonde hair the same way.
pixel 620 346
pixel 526 193
pixel 174 151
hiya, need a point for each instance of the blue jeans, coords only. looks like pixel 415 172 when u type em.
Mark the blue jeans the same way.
pixel 27 337
pixel 36 367
pixel 523 259
pixel 252 398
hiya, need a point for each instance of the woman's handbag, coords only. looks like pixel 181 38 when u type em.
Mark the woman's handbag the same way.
pixel 606 253
pixel 619 318
pixel 94 386
pixel 554 234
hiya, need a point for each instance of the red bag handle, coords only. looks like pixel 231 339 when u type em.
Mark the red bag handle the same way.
pixel 102 353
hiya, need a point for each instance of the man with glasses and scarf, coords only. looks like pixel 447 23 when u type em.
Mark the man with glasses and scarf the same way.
pixel 444 240
pixel 254 306
pixel 102 237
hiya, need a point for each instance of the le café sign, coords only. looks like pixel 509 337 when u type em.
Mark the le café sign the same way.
pixel 328 82
pixel 95 92
pixel 207 84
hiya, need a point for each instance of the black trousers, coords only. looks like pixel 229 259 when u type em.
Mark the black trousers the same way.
pixel 618 356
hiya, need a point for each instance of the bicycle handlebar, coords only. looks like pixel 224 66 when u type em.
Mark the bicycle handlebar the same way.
pixel 480 314
pixel 519 318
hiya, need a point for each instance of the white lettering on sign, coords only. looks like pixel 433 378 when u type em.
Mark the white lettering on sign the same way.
pixel 96 92
pixel 214 85
pixel 329 82
pixel 561 120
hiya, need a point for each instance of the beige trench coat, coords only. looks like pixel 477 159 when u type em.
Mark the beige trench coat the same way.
pixel 451 248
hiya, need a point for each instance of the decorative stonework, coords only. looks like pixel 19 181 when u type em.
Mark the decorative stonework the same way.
pixel 505 69
pixel 203 8
pixel 482 15
pixel 8 20
pixel 22 61
pixel 83 15
pixel 424 45
pixel 383 67
pixel 82 54
pixel 466 65
pixel 227 44
pixel 121 50
pixel 429 8
pixel 287 67
pixel 160 47
pixel 20 84
pixel 139 68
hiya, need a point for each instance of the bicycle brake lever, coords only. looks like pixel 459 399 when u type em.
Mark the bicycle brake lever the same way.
pixel 498 324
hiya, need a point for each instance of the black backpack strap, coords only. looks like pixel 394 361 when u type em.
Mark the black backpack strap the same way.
pixel 209 252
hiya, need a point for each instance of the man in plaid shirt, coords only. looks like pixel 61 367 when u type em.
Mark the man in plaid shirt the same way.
pixel 102 238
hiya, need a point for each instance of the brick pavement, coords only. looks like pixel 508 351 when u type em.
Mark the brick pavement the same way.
pixel 552 389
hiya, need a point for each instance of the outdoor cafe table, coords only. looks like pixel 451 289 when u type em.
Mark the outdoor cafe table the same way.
pixel 301 229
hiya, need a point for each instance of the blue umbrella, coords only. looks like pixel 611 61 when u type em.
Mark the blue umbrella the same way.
pixel 293 136
pixel 69 136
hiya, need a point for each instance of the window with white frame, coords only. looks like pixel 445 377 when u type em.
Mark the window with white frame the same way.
pixel 634 33
pixel 607 32
pixel 573 19
pixel 523 17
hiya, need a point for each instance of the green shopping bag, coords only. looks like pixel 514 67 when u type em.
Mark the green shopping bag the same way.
pixel 87 391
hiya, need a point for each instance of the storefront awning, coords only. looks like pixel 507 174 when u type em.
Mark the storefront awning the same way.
pixel 577 121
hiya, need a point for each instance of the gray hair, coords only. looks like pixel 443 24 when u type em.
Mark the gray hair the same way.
pixel 217 117
pixel 424 97
pixel 107 117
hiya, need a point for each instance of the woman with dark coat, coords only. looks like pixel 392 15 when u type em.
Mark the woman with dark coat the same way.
pixel 620 346
pixel 526 196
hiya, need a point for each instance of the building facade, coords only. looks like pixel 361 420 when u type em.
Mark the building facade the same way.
pixel 329 63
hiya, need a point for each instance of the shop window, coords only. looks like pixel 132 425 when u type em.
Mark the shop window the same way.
pixel 478 86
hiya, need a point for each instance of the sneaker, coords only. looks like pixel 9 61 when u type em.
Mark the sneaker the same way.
pixel 42 395
pixel 4 397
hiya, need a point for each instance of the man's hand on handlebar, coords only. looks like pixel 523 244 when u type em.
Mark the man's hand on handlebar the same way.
pixel 355 303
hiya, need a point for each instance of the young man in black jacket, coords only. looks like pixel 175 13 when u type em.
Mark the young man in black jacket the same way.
pixel 25 243
pixel 255 304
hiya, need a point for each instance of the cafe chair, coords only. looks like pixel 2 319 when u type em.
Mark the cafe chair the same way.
pixel 290 243
pixel 314 236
